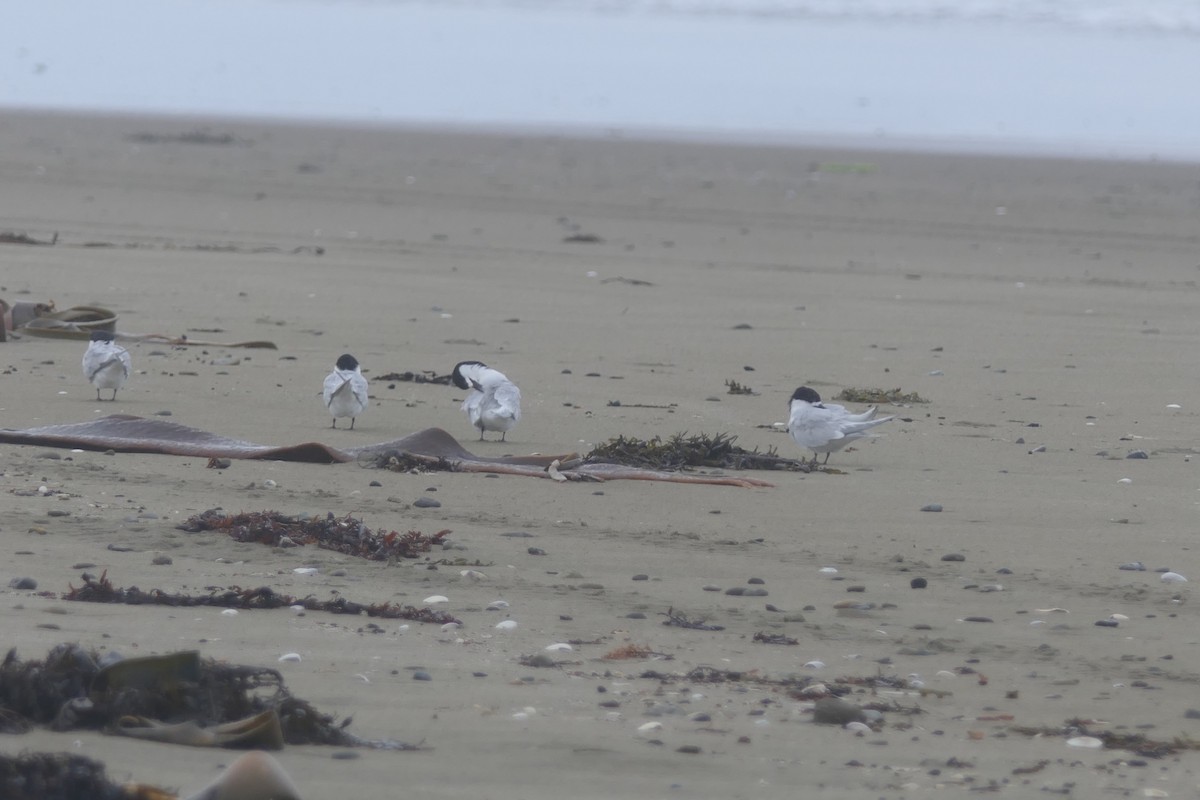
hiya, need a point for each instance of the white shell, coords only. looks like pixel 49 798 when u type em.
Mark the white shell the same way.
pixel 648 727
pixel 814 665
pixel 496 605
pixel 815 690
pixel 447 628
pixel 404 628
pixel 1173 577
pixel 1125 481
pixel 306 570
pixel 229 612
pixel 297 609
pixel 1118 617
pixel 473 574
pixel 944 674
pixel 507 625
pixel 857 727
pixel 435 598
pixel 828 570
pixel 1088 742
pixel 290 657
pixel 559 647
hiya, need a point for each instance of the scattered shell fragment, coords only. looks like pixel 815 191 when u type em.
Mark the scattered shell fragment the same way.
pixel 552 470
pixel 559 647
pixel 1087 742
pixel 1051 611
pixel 450 627
pixel 435 598
pixel 473 575
pixel 497 605
pixel 829 570
pixel 507 625
pixel 649 727
pixel 1173 577
pixel 1125 481
pixel 229 612
pixel 306 570
pixel 814 665
pixel 290 657
pixel 297 609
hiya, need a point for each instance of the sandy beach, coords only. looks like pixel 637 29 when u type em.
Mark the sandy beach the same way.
pixel 1046 309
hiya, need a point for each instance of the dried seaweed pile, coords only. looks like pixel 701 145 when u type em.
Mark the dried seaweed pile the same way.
pixel 101 590
pixel 57 776
pixel 878 396
pixel 681 451
pixel 73 688
pixel 341 534
pixel 1115 740
pixel 424 376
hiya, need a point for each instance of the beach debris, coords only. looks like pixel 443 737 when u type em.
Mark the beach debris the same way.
pixel 1089 734
pixel 13 237
pixel 678 619
pixel 341 534
pixel 66 776
pixel 737 388
pixel 409 376
pixel 431 448
pixel 101 590
pixel 872 396
pixel 680 451
pixel 775 638
pixel 177 697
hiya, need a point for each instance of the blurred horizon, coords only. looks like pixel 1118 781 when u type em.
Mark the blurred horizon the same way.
pixel 1059 77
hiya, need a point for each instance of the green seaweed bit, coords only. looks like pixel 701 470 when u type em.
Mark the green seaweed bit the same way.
pixel 866 395
pixel 737 388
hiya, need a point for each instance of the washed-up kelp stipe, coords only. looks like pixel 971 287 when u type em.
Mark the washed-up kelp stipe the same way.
pixel 341 534
pixel 78 688
pixel 101 590
pixel 431 448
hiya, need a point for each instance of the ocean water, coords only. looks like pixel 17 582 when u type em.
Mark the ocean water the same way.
pixel 1094 78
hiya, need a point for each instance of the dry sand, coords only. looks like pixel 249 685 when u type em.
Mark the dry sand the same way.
pixel 1033 302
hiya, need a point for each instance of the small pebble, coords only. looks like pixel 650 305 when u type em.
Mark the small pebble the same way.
pixel 25 584
pixel 1106 623
pixel 934 507
pixel 1133 566
pixel 954 557
pixel 642 577
pixel 161 561
pixel 536 551
pixel 421 675
pixel 1138 454
pixel 426 502
pixel 918 583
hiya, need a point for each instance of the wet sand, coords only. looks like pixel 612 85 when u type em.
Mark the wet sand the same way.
pixel 1034 303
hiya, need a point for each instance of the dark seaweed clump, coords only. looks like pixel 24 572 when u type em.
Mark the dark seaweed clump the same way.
pixel 681 451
